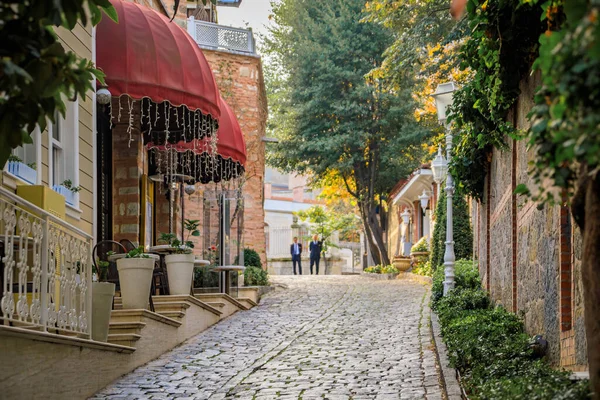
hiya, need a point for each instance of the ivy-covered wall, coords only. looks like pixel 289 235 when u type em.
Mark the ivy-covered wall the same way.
pixel 524 248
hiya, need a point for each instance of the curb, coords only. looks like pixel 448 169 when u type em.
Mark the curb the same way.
pixel 381 277
pixel 448 374
pixel 419 278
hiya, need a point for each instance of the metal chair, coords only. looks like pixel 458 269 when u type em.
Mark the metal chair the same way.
pixel 99 253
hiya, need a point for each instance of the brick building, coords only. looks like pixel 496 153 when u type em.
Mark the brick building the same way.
pixel 137 208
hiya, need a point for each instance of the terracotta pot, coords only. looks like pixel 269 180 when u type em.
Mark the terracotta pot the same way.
pixel 419 256
pixel 180 272
pixel 135 277
pixel 402 263
pixel 102 300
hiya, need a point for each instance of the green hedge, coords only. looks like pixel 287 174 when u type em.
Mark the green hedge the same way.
pixel 490 348
pixel 256 277
pixel 252 259
pixel 463 235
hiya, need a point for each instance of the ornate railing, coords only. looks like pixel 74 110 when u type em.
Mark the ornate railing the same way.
pixel 45 266
pixel 219 37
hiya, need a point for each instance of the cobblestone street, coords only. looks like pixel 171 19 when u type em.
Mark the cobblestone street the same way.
pixel 334 337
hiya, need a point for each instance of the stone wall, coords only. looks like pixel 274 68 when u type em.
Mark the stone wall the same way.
pixel 529 256
pixel 241 84
pixel 284 266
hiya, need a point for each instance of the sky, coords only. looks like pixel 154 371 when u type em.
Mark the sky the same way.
pixel 251 13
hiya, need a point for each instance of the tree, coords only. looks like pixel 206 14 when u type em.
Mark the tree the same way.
pixel 325 223
pixel 336 119
pixel 463 234
pixel 36 73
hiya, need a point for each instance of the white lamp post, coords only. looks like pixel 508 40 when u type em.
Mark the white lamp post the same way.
pixel 424 199
pixel 443 98
pixel 405 221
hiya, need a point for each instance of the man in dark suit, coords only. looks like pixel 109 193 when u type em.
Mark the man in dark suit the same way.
pixel 315 247
pixel 296 251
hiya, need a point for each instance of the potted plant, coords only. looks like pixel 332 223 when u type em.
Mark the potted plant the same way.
pixel 135 277
pixel 419 252
pixel 68 190
pixel 26 172
pixel 102 301
pixel 180 263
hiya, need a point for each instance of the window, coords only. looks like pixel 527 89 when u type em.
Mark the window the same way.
pixel 63 157
pixel 28 159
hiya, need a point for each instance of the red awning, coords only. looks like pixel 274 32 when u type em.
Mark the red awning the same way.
pixel 145 55
pixel 231 143
pixel 196 157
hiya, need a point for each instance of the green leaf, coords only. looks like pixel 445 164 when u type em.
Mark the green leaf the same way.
pixel 522 189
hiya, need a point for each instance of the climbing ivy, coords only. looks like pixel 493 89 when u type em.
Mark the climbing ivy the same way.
pixel 499 49
pixel 566 115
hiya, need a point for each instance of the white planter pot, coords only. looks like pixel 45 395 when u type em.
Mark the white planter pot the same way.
pixel 23 171
pixel 180 272
pixel 135 276
pixel 102 299
pixel 67 193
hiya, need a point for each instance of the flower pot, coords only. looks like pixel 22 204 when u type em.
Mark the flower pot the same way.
pixel 419 257
pixel 23 171
pixel 402 263
pixel 66 192
pixel 180 272
pixel 135 276
pixel 102 300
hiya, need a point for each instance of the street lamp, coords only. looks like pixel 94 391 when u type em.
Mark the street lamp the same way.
pixel 424 198
pixel 443 99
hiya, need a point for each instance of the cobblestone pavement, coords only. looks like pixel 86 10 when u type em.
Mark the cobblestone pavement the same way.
pixel 333 337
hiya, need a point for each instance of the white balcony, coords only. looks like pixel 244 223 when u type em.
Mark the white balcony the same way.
pixel 218 37
pixel 45 270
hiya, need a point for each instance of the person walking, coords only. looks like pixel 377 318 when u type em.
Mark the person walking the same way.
pixel 296 251
pixel 315 253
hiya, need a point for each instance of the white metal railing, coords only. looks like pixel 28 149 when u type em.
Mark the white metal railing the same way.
pixel 45 270
pixel 214 36
pixel 280 240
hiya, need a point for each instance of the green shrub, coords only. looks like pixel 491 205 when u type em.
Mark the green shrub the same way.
pixel 490 349
pixel 379 269
pixel 420 246
pixel 376 269
pixel 389 269
pixel 205 278
pixel 423 268
pixel 256 277
pixel 533 381
pixel 251 259
pixel 466 276
pixel 463 236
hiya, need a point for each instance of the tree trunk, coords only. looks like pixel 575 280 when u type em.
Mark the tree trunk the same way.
pixel 586 212
pixel 374 235
pixel 369 237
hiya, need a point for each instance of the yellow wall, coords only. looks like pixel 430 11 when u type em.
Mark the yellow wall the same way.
pixel 79 41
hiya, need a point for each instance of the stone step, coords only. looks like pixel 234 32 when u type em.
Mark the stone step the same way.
pixel 160 306
pixel 176 315
pixel 125 327
pixel 248 302
pixel 216 304
pixel 124 339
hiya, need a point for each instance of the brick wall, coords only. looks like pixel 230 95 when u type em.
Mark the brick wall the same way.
pixel 128 167
pixel 241 83
pixel 529 257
